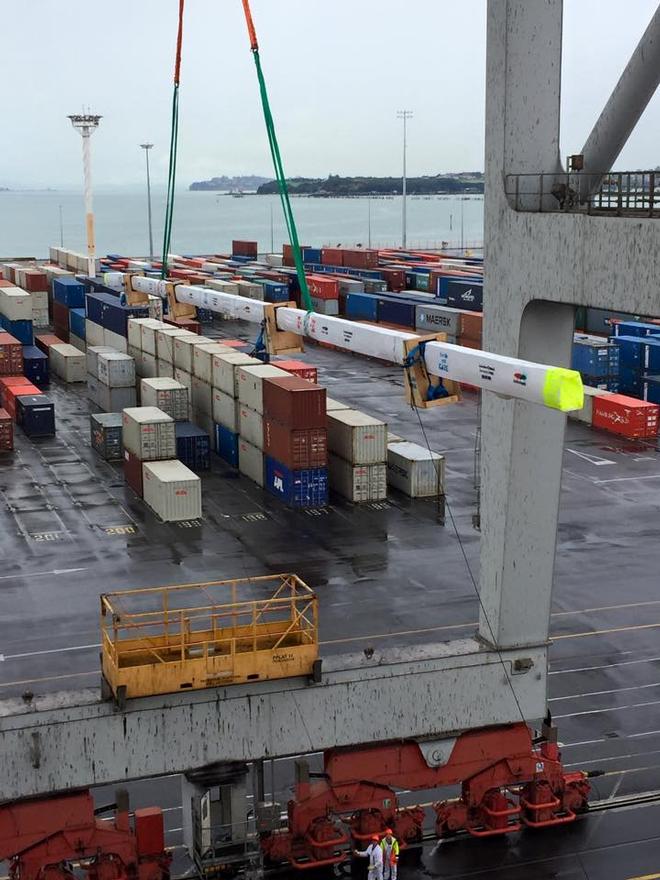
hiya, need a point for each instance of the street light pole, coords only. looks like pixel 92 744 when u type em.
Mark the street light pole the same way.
pixel 146 148
pixel 369 219
pixel 86 124
pixel 405 115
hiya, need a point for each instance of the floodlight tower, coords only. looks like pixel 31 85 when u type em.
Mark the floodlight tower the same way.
pixel 87 124
pixel 405 115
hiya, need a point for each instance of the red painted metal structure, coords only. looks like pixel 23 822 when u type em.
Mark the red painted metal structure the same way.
pixel 43 839
pixel 508 782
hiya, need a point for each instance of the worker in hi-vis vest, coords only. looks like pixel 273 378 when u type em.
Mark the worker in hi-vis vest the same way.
pixel 390 847
pixel 375 855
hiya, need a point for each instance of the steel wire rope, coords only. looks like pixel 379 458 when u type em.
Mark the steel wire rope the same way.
pixel 174 145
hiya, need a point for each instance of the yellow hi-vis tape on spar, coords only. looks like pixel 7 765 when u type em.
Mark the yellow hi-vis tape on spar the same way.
pixel 563 389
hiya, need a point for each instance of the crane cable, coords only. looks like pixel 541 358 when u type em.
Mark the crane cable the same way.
pixel 174 140
pixel 277 163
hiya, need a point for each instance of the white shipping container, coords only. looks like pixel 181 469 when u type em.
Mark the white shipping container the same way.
pixel 40 317
pixel 39 300
pixel 357 482
pixel 148 432
pixel 165 369
pixel 155 307
pixel 357 437
pixel 225 370
pixel 172 490
pixel 205 422
pixel 110 399
pixel 415 471
pixel 203 359
pixel 251 426
pixel 136 354
pixel 93 385
pixel 201 396
pixel 114 340
pixel 134 336
pixel 222 286
pixel 148 334
pixel 249 289
pixel 184 377
pixel 67 362
pixel 586 413
pixel 149 365
pixel 165 342
pixel 251 461
pixel 92 357
pixel 334 405
pixel 167 395
pixel 77 342
pixel 15 304
pixel 93 333
pixel 116 369
pixel 250 384
pixel 183 350
pixel 226 410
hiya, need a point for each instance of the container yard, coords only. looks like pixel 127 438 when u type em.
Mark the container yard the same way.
pixel 340 560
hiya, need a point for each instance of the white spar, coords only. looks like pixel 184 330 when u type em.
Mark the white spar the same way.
pixel 554 387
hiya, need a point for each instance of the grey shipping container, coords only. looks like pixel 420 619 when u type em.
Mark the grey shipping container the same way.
pixel 110 399
pixel 116 369
pixel 251 461
pixel 166 394
pixel 105 433
pixel 414 470
pixel 357 482
pixel 149 433
pixel 357 437
pixel 93 353
pixel 325 306
pixel 438 319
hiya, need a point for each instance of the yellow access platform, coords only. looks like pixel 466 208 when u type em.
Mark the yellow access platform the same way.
pixel 163 640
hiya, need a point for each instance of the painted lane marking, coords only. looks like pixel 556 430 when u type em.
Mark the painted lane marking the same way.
pixel 604 632
pixel 605 666
pixel 7 684
pixel 609 709
pixel 50 651
pixel 637 687
pixel 627 479
pixel 57 571
pixel 646 877
pixel 592 459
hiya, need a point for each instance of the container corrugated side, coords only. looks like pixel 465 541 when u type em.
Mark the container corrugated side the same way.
pixel 93 352
pixel 116 369
pixel 251 426
pixel 251 382
pixel 165 342
pixel 168 395
pixel 172 490
pixel 203 359
pixel 359 483
pixel 251 461
pixel 357 437
pixel 226 410
pixel 201 396
pixel 415 471
pixel 67 362
pixel 183 350
pixel 105 435
pixel 296 402
pixel 225 370
pixel 148 433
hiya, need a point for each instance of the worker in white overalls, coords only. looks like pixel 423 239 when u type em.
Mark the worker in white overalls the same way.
pixel 390 846
pixel 374 853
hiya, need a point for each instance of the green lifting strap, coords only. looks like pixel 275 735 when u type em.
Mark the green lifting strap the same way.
pixel 174 143
pixel 277 163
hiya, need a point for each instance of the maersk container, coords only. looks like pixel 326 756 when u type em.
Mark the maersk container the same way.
pixel 226 444
pixel 116 369
pixel 414 470
pixel 251 381
pixel 300 488
pixel 67 362
pixel 357 437
pixel 357 482
pixel 35 365
pixel 69 292
pixel 36 415
pixel 105 433
pixel 466 295
pixel 77 322
pixel 361 306
pixel 394 311
pixel 148 432
pixel 172 490
pixel 438 319
pixel 251 461
pixel 193 446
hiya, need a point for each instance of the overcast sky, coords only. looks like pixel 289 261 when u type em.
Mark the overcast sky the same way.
pixel 337 71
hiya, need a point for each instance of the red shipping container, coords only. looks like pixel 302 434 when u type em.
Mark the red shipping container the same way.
pixel 395 278
pixel 35 281
pixel 44 340
pixel 626 416
pixel 295 402
pixel 298 368
pixel 185 324
pixel 6 431
pixel 287 254
pixel 297 448
pixel 133 472
pixel 471 326
pixel 332 256
pixel 5 283
pixel 244 249
pixel 323 287
pixel 11 355
pixel 149 831
pixel 361 258
pixel 16 389
pixel 60 314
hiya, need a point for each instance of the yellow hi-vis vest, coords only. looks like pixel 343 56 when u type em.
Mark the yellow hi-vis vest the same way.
pixel 392 847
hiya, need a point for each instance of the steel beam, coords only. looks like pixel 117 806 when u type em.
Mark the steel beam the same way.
pixel 73 740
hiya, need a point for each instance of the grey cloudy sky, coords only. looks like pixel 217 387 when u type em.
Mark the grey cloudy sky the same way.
pixel 337 71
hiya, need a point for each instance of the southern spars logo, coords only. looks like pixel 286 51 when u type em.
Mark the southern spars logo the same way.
pixel 519 379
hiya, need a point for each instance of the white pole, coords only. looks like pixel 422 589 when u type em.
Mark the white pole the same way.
pixel 146 148
pixel 89 206
pixel 405 115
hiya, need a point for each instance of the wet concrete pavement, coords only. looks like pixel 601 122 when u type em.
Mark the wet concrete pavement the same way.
pixel 383 572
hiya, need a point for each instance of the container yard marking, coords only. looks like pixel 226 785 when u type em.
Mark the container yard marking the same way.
pixel 592 459
pixel 190 524
pixel 254 517
pixel 48 536
pixel 128 529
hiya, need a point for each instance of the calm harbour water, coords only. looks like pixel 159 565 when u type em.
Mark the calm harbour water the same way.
pixel 206 222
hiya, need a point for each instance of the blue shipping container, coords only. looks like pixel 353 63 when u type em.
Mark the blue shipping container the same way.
pixel 274 291
pixel 634 328
pixel 304 488
pixel 442 283
pixel 361 306
pixel 396 311
pixel 69 292
pixel 650 390
pixel 605 383
pixel 311 255
pixel 106 310
pixel 641 353
pixel 35 365
pixel 595 359
pixel 226 444
pixel 36 415
pixel 77 322
pixel 630 381
pixel 465 295
pixel 21 330
pixel 193 446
